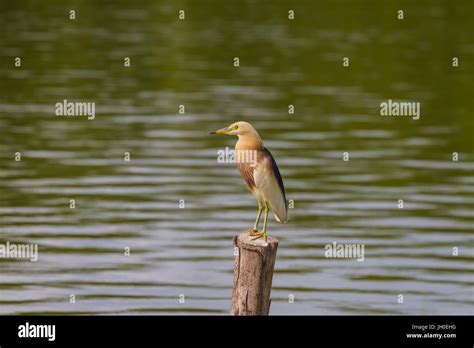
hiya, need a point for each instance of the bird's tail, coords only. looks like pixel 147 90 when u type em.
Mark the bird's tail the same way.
pixel 281 214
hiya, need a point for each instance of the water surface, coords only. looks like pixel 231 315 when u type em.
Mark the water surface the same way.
pixel 189 251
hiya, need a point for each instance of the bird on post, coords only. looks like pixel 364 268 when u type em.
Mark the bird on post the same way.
pixel 261 175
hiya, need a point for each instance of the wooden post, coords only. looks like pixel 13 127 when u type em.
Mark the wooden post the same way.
pixel 253 273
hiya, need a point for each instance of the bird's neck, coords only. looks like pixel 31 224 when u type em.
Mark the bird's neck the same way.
pixel 249 142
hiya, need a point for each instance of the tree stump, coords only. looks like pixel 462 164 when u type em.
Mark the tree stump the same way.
pixel 253 273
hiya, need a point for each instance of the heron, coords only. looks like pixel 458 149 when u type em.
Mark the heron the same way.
pixel 261 176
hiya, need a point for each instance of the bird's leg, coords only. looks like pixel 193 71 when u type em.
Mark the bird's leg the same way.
pixel 257 221
pixel 264 232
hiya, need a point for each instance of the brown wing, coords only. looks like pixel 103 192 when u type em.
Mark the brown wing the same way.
pixel 246 171
pixel 275 170
pixel 270 185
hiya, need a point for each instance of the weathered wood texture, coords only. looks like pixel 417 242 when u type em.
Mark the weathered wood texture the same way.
pixel 253 273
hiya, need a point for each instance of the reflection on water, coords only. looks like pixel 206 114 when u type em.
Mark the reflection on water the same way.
pixel 189 251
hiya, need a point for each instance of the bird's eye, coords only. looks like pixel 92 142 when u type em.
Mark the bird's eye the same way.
pixel 235 126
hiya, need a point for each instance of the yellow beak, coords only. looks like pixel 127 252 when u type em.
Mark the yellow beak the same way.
pixel 225 130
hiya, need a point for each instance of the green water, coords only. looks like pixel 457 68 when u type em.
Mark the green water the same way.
pixel 190 62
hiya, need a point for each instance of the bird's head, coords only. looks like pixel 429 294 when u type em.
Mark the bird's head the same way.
pixel 240 128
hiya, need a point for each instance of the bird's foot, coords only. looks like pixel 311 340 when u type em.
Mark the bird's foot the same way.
pixel 252 231
pixel 259 235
